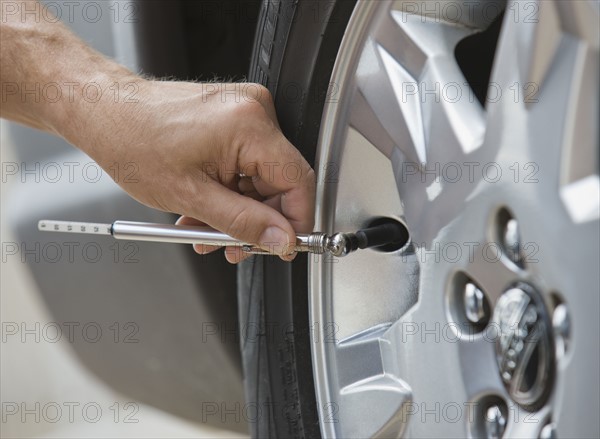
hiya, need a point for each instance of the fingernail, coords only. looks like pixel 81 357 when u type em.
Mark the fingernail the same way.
pixel 274 239
pixel 289 257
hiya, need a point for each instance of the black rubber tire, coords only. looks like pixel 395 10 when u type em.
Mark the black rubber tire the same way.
pixel 294 52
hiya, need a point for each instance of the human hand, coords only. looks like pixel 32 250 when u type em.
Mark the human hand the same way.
pixel 212 153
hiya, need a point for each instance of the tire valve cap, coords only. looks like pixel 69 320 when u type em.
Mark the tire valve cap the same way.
pixel 392 232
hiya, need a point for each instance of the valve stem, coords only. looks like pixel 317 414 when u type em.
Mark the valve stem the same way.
pixel 390 232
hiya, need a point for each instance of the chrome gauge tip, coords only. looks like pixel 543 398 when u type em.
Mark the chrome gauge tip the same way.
pixel 342 244
pixel 336 245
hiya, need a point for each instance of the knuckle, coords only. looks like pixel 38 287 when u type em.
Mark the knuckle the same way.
pixel 258 92
pixel 248 110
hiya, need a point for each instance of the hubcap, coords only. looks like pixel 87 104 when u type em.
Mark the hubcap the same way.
pixel 502 196
pixel 524 346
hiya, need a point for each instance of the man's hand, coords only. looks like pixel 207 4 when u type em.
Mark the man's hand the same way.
pixel 210 152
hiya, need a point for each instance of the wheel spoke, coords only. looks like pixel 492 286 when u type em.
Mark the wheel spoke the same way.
pixel 383 400
pixel 546 91
pixel 368 387
pixel 414 56
pixel 399 115
pixel 429 107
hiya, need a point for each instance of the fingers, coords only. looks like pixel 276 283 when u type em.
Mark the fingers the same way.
pixel 259 150
pixel 277 168
pixel 246 187
pixel 247 220
pixel 276 198
pixel 233 254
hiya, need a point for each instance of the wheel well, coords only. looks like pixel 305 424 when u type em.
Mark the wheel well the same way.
pixel 196 40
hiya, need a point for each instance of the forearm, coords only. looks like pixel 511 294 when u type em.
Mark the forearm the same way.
pixel 49 78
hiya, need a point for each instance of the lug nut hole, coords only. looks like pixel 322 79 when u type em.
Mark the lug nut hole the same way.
pixel 468 304
pixel 508 235
pixel 490 417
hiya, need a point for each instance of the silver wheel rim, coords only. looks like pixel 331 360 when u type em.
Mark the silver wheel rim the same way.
pixel 414 342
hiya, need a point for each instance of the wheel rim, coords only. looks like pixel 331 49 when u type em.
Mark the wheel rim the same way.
pixel 416 342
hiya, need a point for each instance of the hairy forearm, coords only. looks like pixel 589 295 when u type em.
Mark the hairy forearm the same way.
pixel 49 78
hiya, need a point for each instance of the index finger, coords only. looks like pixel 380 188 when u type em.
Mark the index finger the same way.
pixel 277 168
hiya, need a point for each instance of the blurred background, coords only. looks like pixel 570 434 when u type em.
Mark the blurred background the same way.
pixel 38 374
pixel 104 338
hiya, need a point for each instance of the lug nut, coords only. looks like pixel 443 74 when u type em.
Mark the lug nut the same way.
pixel 474 303
pixel 512 241
pixel 495 422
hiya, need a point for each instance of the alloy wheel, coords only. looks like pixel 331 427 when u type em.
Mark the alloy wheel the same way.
pixel 486 323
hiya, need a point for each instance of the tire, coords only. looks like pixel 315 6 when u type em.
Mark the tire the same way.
pixel 294 52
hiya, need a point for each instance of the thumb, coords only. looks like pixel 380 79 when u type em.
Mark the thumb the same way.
pixel 247 220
